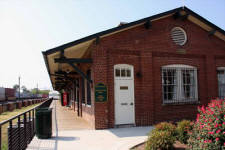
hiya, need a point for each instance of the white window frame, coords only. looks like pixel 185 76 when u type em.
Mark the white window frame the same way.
pixel 126 67
pixel 179 98
pixel 223 84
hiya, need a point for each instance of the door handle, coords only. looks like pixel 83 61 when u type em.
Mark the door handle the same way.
pixel 131 103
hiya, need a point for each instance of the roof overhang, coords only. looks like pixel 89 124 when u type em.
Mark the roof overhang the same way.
pixel 79 48
pixel 76 51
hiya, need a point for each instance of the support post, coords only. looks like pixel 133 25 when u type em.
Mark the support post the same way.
pixel 0 136
pixel 19 87
pixel 80 72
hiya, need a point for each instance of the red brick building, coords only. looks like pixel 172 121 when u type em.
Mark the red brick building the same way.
pixel 155 69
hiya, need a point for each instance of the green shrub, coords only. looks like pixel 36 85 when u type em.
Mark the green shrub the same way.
pixel 160 140
pixel 162 137
pixel 209 128
pixel 165 126
pixel 183 127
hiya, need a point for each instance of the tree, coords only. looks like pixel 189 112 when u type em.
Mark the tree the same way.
pixel 16 87
pixel 25 90
pixel 38 91
pixel 44 91
pixel 34 90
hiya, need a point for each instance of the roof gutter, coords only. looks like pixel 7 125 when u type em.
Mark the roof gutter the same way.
pixel 99 34
pixel 94 36
pixel 204 20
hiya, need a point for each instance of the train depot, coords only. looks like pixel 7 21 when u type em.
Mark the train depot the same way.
pixel 155 69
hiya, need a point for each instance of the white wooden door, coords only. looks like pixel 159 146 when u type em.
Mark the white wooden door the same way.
pixel 124 94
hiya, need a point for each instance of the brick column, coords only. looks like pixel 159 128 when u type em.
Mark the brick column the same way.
pixel 100 76
pixel 80 96
pixel 211 77
pixel 147 112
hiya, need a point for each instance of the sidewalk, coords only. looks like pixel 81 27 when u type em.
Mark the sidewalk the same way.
pixel 67 118
pixel 71 135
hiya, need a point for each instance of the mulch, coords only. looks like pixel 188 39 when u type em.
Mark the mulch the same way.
pixel 177 146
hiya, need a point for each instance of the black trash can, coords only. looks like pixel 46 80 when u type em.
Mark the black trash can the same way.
pixel 43 122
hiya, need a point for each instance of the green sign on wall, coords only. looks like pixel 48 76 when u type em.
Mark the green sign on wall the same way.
pixel 101 93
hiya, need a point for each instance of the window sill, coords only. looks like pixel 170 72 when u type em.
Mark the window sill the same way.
pixel 197 102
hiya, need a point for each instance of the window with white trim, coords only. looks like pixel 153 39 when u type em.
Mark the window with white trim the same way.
pixel 179 84
pixel 221 81
pixel 123 71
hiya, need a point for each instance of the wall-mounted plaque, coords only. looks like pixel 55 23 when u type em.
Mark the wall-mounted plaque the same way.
pixel 101 93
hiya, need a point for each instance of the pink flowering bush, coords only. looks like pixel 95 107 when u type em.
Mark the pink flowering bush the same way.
pixel 209 129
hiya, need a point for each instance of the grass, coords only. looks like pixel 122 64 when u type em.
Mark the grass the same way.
pixel 8 115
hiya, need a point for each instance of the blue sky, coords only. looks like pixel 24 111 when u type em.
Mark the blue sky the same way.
pixel 28 27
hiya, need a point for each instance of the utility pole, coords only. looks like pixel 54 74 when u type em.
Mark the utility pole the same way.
pixel 19 87
pixel 37 90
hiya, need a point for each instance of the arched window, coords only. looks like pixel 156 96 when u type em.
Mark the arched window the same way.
pixel 123 71
pixel 179 84
pixel 221 81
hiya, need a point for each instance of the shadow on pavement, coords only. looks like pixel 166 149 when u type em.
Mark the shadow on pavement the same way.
pixel 62 138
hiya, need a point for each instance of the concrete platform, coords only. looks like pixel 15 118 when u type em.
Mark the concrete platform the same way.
pixel 87 139
pixel 67 118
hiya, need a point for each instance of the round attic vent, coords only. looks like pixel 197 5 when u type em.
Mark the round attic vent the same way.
pixel 178 36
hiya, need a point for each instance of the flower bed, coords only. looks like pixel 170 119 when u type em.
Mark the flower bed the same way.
pixel 209 128
pixel 207 132
pixel 176 146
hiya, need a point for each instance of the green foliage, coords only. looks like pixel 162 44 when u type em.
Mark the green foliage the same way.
pixel 16 87
pixel 43 91
pixel 165 126
pixel 35 91
pixel 4 146
pixel 25 90
pixel 160 140
pixel 183 127
pixel 162 137
pixel 209 129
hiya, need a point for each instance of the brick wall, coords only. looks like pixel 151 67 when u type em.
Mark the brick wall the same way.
pixel 85 111
pixel 147 50
pixel 99 71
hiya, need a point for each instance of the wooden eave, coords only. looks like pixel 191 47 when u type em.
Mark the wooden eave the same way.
pixel 78 48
